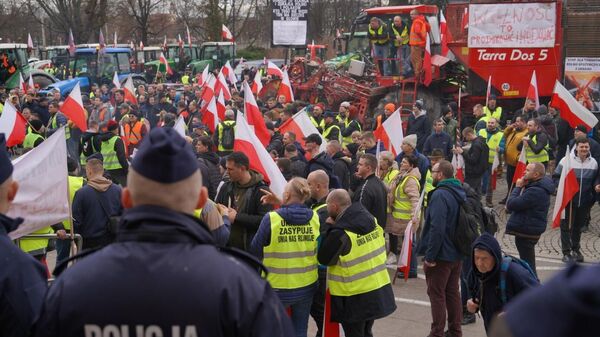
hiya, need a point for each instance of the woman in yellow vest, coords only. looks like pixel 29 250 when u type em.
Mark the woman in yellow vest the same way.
pixel 286 241
pixel 388 168
pixel 403 200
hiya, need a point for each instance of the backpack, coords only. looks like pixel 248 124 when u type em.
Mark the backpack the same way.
pixel 470 224
pixel 506 261
pixel 490 220
pixel 227 136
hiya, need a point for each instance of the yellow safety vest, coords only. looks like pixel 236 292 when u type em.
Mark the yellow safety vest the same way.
pixel 403 36
pixel 317 125
pixel 347 140
pixel 363 269
pixel 220 134
pixel 428 186
pixel 111 162
pixel 493 142
pixel 54 125
pixel 75 183
pixel 291 256
pixel 387 179
pixel 36 246
pixel 497 113
pixel 30 139
pixel 379 37
pixel 328 130
pixel 185 79
pixel 533 157
pixel 402 208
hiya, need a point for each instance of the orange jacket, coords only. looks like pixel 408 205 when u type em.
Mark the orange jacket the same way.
pixel 418 31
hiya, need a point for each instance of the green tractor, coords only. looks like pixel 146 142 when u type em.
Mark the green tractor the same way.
pixel 213 54
pixel 349 47
pixel 177 58
pixel 13 61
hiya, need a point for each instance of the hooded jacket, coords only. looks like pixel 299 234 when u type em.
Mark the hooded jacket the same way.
pixel 529 206
pixel 90 143
pixel 250 210
pixel 23 284
pixel 323 161
pixel 441 218
pixel 89 217
pixel 295 214
pixel 372 305
pixel 164 271
pixel 487 287
pixel 211 160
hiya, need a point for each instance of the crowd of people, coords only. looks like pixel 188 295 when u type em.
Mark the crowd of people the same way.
pixel 187 220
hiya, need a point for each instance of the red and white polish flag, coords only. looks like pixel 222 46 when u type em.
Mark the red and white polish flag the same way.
pixel 488 92
pixel 255 117
pixel 302 127
pixel 285 88
pixel 521 166
pixel 458 162
pixel 204 76
pixel 274 70
pixel 260 160
pixel 22 84
pixel 162 59
pixel 210 117
pixel 12 125
pixel 567 188
pixel 221 106
pixel 229 74
pixel 129 91
pixel 116 81
pixel 226 33
pixel 209 89
pixel 30 84
pixel 494 177
pixel 532 91
pixel 257 83
pixel 571 110
pixel 390 133
pixel 73 108
pixel 445 35
pixel 221 86
pixel 427 70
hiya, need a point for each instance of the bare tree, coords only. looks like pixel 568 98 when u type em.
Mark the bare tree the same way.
pixel 142 12
pixel 84 17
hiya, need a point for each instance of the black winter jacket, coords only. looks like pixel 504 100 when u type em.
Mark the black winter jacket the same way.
pixel 476 158
pixel 372 194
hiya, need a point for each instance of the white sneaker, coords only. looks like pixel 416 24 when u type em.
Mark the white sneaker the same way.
pixel 392 259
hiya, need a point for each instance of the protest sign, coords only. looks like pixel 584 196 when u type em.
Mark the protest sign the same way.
pixel 290 18
pixel 582 79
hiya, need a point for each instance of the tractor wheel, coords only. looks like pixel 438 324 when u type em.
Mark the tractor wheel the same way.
pixel 42 80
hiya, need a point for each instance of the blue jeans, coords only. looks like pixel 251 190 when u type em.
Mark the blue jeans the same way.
pixel 300 313
pixel 465 291
pixel 485 180
pixel 381 52
pixel 63 250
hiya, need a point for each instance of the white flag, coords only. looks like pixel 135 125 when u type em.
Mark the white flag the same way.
pixel 180 126
pixel 43 198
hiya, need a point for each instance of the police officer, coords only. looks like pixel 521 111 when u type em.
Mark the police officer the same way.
pixel 164 276
pixel 22 278
pixel 354 251
pixel 286 240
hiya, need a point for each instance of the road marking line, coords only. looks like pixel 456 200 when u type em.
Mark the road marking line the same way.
pixel 411 301
pixel 549 268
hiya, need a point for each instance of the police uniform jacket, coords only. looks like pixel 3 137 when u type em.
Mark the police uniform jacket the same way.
pixel 164 273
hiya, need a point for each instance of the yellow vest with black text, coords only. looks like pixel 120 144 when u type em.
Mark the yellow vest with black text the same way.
pixel 402 207
pixel 220 134
pixel 493 142
pixel 380 36
pixel 533 157
pixel 403 35
pixel 36 246
pixel 497 113
pixel 30 139
pixel 111 161
pixel 291 256
pixel 327 131
pixel 363 269
pixel 75 183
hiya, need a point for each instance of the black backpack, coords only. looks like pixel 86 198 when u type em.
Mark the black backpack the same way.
pixel 227 136
pixel 470 224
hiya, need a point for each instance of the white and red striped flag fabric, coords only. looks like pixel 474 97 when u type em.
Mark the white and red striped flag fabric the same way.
pixel 260 160
pixel 162 59
pixel 274 70
pixel 427 71
pixel 228 73
pixel 390 133
pixel 189 37
pixel 255 117
pixel 129 91
pixel 12 125
pixel 532 91
pixel 204 76
pixel 73 108
pixel 571 110
pixel 445 32
pixel 221 106
pixel 71 43
pixel 521 166
pixel 257 83
pixel 302 127
pixel 226 33
pixel 285 88
pixel 488 92
pixel 567 188
pixel 210 116
pixel 29 42
pixel 465 19
pixel 22 84
pixel 458 162
pixel 494 177
pixel 30 84
pixel 116 81
pixel 209 89
pixel 221 86
pixel 406 252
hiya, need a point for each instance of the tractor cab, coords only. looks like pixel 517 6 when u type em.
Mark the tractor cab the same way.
pixel 13 61
pixel 312 52
pixel 213 54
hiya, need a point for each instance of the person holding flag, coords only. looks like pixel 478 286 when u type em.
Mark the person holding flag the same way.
pixel 513 135
pixel 528 205
pixel 494 139
pixel 585 169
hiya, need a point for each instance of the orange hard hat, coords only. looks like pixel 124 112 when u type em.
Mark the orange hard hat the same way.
pixel 390 107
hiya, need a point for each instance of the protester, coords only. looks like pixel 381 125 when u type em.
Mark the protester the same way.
pixel 224 135
pixel 418 124
pixel 319 160
pixel 534 143
pixel 331 131
pixel 529 204
pixel 63 243
pixel 291 230
pixel 22 278
pixel 204 150
pixel 513 134
pixel 158 244
pixel 440 140
pixel 356 304
pixel 341 163
pixel 369 144
pixel 487 267
pixel 241 196
pixel 114 154
pixel 371 193
pixel 476 157
pixel 408 146
pixel 495 141
pixel 442 262
pixel 388 168
pixel 297 164
pixel 348 122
